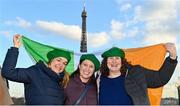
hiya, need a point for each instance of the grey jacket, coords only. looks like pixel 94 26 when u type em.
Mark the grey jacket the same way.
pixel 138 79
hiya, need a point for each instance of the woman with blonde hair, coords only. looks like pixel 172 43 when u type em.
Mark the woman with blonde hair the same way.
pixel 43 83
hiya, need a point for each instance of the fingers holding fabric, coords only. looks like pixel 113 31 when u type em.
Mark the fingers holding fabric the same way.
pixel 171 48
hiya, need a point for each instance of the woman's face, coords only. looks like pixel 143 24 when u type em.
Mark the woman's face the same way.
pixel 86 69
pixel 58 64
pixel 114 63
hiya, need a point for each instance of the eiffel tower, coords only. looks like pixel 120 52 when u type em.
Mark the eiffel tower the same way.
pixel 83 47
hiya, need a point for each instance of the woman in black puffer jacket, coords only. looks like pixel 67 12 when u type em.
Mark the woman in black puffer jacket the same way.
pixel 43 83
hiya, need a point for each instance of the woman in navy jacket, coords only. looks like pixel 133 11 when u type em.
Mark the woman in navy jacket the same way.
pixel 43 83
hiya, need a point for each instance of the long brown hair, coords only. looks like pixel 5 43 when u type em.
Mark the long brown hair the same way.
pixel 105 70
pixel 65 79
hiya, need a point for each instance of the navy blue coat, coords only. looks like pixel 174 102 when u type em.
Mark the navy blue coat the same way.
pixel 42 85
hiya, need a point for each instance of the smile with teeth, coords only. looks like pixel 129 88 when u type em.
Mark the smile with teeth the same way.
pixel 86 73
pixel 114 65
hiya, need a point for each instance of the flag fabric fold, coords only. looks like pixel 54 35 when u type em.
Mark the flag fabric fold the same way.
pixel 38 51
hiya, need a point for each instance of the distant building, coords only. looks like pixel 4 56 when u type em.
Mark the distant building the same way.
pixel 169 101
pixel 170 90
pixel 179 94
pixel 18 101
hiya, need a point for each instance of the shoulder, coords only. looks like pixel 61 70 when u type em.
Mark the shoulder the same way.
pixel 71 85
pixel 135 71
pixel 71 81
pixel 36 66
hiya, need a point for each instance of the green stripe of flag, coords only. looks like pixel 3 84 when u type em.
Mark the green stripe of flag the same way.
pixel 39 51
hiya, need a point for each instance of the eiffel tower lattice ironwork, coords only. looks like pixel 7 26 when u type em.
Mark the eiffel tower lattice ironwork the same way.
pixel 83 47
